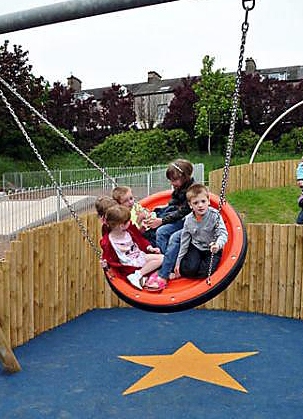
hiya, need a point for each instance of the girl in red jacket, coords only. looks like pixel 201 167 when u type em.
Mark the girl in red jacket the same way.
pixel 124 247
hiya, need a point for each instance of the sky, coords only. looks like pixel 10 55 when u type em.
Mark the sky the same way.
pixel 170 38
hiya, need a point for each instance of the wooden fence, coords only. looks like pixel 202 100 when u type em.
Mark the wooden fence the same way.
pixel 51 275
pixel 256 175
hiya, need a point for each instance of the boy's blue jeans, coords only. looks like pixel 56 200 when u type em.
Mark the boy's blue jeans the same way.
pixel 300 217
pixel 168 240
pixel 165 232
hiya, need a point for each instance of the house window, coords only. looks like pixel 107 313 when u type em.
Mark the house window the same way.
pixel 161 111
pixel 278 76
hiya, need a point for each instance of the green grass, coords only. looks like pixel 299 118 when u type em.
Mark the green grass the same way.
pixel 275 205
pixel 68 161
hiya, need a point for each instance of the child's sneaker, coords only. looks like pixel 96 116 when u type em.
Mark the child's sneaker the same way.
pixel 135 279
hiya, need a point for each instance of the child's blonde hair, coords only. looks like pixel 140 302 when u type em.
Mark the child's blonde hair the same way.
pixel 179 169
pixel 103 203
pixel 194 190
pixel 119 192
pixel 117 214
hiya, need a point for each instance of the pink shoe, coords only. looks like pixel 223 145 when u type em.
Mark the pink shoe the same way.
pixel 155 283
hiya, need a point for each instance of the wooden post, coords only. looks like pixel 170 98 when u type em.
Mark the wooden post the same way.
pixel 7 357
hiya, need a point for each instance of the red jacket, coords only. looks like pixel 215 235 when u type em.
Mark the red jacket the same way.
pixel 110 255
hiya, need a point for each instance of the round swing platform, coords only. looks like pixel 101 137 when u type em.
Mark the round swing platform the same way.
pixel 184 293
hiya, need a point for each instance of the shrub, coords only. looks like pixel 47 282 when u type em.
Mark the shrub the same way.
pixel 292 142
pixel 136 148
pixel 245 143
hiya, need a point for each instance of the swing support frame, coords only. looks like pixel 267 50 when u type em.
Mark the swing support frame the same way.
pixel 66 11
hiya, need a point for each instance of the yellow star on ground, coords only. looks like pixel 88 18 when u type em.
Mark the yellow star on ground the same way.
pixel 187 361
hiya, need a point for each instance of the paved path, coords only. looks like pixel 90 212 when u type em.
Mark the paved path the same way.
pixel 16 215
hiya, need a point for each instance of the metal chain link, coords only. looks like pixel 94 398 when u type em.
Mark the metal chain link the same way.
pixel 235 101
pixel 58 188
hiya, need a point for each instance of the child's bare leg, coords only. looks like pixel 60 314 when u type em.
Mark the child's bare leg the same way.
pixel 153 262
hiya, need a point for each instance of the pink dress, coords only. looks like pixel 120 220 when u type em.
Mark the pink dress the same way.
pixel 128 251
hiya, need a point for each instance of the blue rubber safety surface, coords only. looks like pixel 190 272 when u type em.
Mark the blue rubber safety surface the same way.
pixel 74 371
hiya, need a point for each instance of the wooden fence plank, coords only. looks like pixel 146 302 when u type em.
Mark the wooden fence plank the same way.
pixel 267 277
pixel 55 273
pixel 290 271
pixel 259 290
pixel 253 271
pixel 276 254
pixel 282 271
pixel 13 289
pixel 29 243
pixel 62 275
pixel 298 274
pixel 5 309
pixel 71 273
pixel 51 274
pixel 41 280
pixel 26 291
pixel 2 295
pixel 45 271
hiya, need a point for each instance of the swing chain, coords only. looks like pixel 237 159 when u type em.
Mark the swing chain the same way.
pixel 46 168
pixel 233 120
pixel 234 108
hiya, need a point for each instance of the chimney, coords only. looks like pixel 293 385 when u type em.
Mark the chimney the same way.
pixel 153 77
pixel 74 83
pixel 250 66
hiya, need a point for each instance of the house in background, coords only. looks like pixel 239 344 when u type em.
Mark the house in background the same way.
pixel 152 98
pixel 290 73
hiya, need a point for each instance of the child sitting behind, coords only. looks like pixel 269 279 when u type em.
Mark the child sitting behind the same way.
pixel 102 204
pixel 204 233
pixel 125 247
pixel 123 195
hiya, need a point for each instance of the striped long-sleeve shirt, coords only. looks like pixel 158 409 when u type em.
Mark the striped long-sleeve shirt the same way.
pixel 202 232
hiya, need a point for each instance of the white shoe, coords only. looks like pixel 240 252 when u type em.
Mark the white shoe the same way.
pixel 135 279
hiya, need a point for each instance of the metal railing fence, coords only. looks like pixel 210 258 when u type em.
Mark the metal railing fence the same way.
pixel 19 180
pixel 25 208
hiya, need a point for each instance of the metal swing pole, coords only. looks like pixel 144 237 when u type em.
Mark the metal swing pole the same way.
pixel 67 10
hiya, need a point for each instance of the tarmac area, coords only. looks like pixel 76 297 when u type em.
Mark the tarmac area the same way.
pixel 127 363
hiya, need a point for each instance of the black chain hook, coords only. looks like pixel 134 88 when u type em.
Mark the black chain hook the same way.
pixel 249 7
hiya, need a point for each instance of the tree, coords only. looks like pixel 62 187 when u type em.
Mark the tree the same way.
pixel 181 112
pixel 263 100
pixel 58 105
pixel 117 110
pixel 88 120
pixel 214 91
pixel 17 72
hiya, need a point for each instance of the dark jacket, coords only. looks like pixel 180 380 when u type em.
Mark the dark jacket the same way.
pixel 178 204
